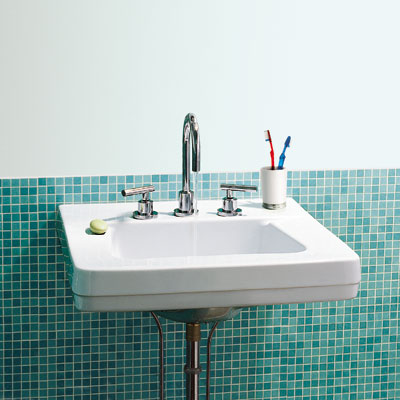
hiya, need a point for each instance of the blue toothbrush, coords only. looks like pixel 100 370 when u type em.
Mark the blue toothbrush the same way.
pixel 282 156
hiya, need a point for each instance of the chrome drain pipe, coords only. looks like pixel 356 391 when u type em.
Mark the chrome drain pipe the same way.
pixel 192 367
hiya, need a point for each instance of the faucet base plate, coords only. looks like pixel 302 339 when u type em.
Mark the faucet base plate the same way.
pixel 226 213
pixel 137 215
pixel 179 213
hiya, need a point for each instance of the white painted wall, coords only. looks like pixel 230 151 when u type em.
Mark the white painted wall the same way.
pixel 102 87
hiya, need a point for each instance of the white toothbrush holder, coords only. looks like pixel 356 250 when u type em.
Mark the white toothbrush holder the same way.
pixel 273 187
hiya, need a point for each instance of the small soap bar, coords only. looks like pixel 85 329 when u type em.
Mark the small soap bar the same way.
pixel 98 226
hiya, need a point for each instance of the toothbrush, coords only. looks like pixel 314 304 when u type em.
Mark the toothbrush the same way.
pixel 282 156
pixel 268 139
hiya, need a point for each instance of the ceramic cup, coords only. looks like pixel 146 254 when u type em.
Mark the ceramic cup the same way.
pixel 273 187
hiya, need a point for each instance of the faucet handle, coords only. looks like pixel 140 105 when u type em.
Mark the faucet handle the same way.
pixel 237 188
pixel 145 190
pixel 145 205
pixel 229 207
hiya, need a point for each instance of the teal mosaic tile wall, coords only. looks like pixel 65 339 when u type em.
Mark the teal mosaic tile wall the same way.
pixel 348 350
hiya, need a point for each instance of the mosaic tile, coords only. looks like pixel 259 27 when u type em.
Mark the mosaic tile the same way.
pixel 346 350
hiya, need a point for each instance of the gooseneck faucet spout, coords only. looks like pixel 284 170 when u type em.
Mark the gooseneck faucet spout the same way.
pixel 190 134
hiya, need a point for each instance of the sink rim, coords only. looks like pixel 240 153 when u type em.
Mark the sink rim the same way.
pixel 103 257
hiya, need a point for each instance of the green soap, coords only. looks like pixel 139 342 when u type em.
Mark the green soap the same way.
pixel 98 226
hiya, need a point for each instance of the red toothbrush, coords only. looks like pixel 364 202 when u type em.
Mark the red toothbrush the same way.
pixel 268 139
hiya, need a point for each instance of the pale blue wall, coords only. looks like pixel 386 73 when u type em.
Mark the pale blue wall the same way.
pixel 117 79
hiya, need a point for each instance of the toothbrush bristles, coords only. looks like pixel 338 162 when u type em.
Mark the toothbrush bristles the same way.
pixel 267 136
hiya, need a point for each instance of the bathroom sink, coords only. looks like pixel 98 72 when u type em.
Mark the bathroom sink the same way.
pixel 170 263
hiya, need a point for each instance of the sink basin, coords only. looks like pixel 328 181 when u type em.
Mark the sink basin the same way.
pixel 202 238
pixel 170 263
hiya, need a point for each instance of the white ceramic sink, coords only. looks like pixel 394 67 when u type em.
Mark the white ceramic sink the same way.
pixel 168 263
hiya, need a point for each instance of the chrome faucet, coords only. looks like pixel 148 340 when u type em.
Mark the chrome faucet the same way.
pixel 190 133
